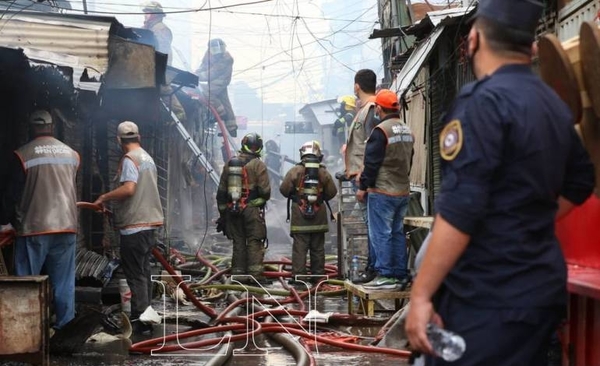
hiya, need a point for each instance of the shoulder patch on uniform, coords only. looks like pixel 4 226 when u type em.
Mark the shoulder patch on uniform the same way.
pixel 451 140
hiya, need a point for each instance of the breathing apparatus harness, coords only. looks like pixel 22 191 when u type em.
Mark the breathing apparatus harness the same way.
pixel 238 185
pixel 309 193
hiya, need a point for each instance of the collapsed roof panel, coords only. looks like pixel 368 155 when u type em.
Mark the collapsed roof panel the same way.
pixel 98 49
pixel 56 38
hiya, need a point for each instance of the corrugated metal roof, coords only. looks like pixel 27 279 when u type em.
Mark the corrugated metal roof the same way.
pixel 439 16
pixel 323 111
pixel 410 70
pixel 438 19
pixel 75 42
pixel 425 25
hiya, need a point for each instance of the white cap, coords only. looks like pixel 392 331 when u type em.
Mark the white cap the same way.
pixel 128 129
pixel 40 117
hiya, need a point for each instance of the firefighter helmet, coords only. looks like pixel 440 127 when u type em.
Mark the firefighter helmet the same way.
pixel 153 7
pixel 252 143
pixel 216 46
pixel 311 148
pixel 348 100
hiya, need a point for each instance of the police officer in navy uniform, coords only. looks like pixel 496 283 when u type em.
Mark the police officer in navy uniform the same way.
pixel 512 164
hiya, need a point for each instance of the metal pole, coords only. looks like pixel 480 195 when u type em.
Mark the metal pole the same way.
pixel 85 9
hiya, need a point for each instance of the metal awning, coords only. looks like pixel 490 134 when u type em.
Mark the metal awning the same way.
pixel 432 20
pixel 447 16
pixel 412 67
pixel 322 112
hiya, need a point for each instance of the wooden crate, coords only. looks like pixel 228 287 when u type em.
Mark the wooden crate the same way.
pixel 368 297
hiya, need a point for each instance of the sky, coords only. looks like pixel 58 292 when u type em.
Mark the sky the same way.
pixel 288 51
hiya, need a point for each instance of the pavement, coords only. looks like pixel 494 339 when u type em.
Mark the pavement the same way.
pixel 112 350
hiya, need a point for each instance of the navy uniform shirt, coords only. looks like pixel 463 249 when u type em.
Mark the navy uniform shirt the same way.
pixel 509 149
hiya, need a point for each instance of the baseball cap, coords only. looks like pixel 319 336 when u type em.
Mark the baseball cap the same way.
pixel 40 117
pixel 128 129
pixel 387 99
pixel 520 15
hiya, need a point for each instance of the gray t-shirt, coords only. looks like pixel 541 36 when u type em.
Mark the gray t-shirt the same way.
pixel 130 172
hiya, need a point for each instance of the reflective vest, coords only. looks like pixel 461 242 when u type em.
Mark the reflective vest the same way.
pixel 357 139
pixel 49 201
pixel 393 175
pixel 144 207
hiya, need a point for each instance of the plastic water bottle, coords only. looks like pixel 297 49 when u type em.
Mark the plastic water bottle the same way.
pixel 447 345
pixel 125 293
pixel 354 268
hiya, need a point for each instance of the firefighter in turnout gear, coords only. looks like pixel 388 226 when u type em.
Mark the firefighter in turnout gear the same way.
pixel 308 185
pixel 216 69
pixel 347 112
pixel 244 190
pixel 153 20
pixel 163 38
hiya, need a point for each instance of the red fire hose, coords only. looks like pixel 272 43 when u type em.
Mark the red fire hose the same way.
pixel 93 207
pixel 186 290
pixel 244 327
pixel 157 254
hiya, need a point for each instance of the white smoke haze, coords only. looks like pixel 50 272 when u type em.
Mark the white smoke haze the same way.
pixel 289 51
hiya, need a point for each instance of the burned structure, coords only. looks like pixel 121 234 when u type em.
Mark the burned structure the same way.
pixel 92 73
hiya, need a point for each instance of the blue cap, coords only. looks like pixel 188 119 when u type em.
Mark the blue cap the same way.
pixel 521 15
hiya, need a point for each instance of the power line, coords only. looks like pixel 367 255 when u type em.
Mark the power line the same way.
pixel 326 50
pixel 312 42
pixel 195 10
pixel 293 16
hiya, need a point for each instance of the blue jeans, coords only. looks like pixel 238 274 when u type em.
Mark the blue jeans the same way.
pixel 386 232
pixel 363 209
pixel 56 254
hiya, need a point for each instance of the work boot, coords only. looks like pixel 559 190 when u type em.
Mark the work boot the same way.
pixel 365 277
pixel 262 280
pixel 241 278
pixel 141 328
pixel 297 284
pixel 317 279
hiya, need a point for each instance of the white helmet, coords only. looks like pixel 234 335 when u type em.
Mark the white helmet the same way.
pixel 311 148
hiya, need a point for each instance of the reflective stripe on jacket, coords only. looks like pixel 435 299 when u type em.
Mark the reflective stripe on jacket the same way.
pixel 49 201
pixel 393 175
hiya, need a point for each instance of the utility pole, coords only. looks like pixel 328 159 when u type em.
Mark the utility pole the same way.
pixel 85 11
